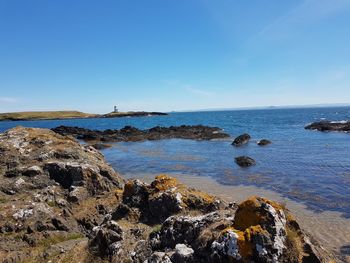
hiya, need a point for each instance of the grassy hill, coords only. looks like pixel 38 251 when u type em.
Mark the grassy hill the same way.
pixel 44 115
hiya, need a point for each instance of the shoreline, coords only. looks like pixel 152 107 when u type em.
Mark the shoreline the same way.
pixel 330 229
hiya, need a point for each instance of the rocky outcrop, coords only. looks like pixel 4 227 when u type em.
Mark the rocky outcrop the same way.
pixel 259 231
pixel 61 202
pixel 38 157
pixel 241 140
pixel 165 196
pixel 129 133
pixel 244 161
pixel 324 126
pixel 49 184
pixel 264 142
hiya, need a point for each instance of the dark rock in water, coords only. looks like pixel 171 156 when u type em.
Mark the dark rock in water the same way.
pixel 263 142
pixel 128 133
pixel 244 161
pixel 241 140
pixel 343 126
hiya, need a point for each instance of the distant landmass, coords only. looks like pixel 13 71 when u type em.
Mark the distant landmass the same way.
pixel 56 115
pixel 272 107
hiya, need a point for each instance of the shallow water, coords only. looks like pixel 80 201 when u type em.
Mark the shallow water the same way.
pixel 306 166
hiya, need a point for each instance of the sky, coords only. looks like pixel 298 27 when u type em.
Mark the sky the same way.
pixel 163 55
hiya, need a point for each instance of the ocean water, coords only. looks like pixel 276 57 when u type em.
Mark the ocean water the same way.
pixel 307 166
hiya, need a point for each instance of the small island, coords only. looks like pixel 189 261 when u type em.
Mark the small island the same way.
pixel 326 126
pixel 60 115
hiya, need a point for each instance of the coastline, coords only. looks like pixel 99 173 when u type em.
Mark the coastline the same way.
pixel 330 229
pixel 67 115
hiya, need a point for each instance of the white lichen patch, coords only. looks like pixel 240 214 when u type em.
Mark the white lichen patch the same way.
pixel 228 245
pixel 279 219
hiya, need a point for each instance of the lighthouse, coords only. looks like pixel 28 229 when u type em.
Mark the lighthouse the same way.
pixel 115 109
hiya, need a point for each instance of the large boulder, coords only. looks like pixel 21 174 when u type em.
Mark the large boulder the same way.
pixel 162 198
pixel 259 231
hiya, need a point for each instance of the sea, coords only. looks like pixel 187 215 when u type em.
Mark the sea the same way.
pixel 309 167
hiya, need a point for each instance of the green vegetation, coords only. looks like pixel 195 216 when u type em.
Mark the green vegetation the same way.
pixel 156 228
pixel 44 115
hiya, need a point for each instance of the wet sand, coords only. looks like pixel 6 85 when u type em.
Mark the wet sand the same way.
pixel 330 229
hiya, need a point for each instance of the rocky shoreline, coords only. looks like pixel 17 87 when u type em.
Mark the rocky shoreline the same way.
pixel 325 126
pixel 132 134
pixel 61 202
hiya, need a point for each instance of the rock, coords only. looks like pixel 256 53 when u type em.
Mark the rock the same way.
pixel 324 126
pixel 182 254
pixel 136 194
pixel 241 140
pixel 158 257
pixel 244 161
pixel 106 239
pixel 128 133
pixel 66 161
pixel 32 171
pixel 165 196
pixel 23 214
pixel 263 142
pixel 185 229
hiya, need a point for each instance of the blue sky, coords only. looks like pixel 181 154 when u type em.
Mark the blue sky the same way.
pixel 172 55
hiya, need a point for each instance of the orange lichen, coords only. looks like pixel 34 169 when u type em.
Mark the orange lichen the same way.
pixel 245 246
pixel 207 198
pixel 249 212
pixel 164 182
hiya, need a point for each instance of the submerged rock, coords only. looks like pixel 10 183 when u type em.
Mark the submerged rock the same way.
pixel 244 161
pixel 241 140
pixel 263 142
pixel 343 126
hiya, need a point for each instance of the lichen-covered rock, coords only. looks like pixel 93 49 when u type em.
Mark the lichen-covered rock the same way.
pixel 49 184
pixel 43 155
pixel 106 239
pixel 182 254
pixel 162 198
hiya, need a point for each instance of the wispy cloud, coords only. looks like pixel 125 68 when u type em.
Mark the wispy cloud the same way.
pixel 8 100
pixel 199 92
pixel 308 12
